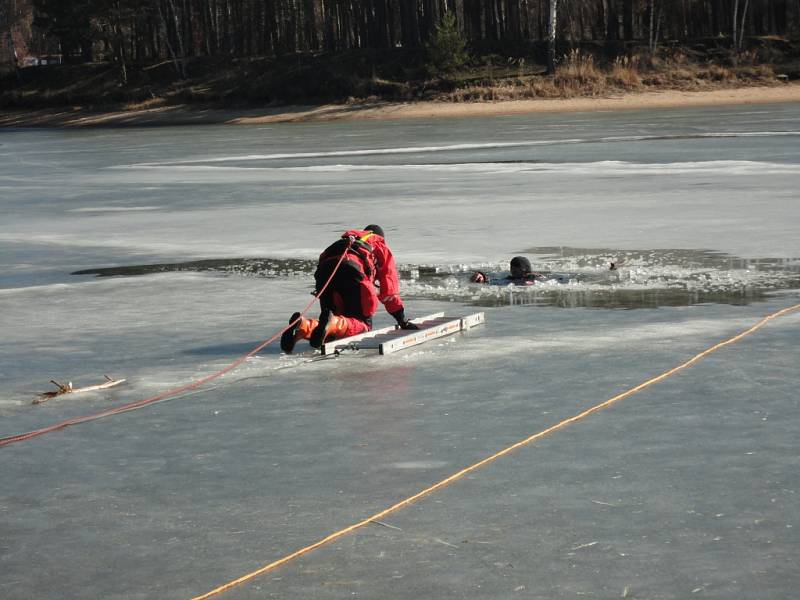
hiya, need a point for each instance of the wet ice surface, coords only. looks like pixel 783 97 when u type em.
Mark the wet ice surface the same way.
pixel 688 489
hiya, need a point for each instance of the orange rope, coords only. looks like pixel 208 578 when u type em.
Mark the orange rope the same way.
pixel 5 441
pixel 444 482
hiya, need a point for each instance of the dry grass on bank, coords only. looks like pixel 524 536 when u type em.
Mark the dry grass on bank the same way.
pixel 578 75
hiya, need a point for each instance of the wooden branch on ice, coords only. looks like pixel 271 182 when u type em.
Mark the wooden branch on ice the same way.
pixel 68 389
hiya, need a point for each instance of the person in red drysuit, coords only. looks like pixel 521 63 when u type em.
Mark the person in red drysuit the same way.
pixel 351 299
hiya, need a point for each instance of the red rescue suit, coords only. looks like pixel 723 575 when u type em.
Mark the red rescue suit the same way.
pixel 352 292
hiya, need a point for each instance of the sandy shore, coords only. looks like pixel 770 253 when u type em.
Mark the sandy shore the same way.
pixel 185 115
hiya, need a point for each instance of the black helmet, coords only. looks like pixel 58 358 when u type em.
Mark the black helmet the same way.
pixel 375 229
pixel 520 266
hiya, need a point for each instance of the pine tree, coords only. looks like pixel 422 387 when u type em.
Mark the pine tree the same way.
pixel 447 47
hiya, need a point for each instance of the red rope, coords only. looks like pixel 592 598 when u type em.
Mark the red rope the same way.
pixel 5 441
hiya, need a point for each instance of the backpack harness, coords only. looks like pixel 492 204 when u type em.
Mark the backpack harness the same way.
pixel 356 246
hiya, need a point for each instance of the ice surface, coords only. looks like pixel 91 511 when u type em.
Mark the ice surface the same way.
pixel 208 237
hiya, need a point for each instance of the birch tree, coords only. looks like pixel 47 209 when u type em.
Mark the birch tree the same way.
pixel 738 24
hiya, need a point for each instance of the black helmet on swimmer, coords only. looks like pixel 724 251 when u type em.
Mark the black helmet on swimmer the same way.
pixel 520 266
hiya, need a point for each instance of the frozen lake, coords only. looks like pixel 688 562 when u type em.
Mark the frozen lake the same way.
pixel 193 245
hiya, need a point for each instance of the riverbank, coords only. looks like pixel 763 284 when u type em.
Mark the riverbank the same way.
pixel 192 115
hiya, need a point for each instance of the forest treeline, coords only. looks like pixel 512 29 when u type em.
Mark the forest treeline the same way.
pixel 227 52
pixel 142 31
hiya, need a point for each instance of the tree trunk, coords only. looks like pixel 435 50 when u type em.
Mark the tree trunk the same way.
pixel 329 31
pixel 476 19
pixel 176 59
pixel 430 18
pixel 490 20
pixel 797 16
pixel 525 20
pixel 380 26
pixel 310 26
pixel 119 42
pixel 213 40
pixel 781 13
pixel 409 24
pixel 718 21
pixel 612 21
pixel 513 29
pixel 627 17
pixel 541 21
pixel 740 42
pixel 551 38
pixel 658 23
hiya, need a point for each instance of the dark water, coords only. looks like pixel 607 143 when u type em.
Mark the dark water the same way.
pixel 571 277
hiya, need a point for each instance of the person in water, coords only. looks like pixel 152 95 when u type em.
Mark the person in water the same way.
pixel 521 273
pixel 366 277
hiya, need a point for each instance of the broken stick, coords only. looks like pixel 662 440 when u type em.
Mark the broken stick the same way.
pixel 68 389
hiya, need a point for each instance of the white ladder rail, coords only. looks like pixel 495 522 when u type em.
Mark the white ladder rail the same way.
pixel 388 340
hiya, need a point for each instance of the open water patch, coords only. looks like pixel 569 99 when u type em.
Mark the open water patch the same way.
pixel 609 278
pixel 567 277
pixel 260 267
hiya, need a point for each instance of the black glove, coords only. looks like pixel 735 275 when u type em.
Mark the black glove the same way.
pixel 400 317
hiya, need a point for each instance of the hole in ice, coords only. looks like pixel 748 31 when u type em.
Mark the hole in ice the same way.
pixel 566 277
